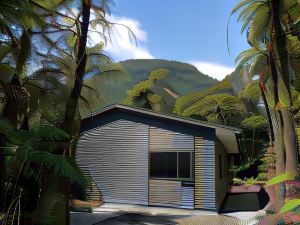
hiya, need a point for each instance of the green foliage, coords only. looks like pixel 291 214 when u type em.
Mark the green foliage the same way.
pixel 186 101
pixel 19 13
pixel 135 71
pixel 179 79
pixel 142 94
pixel 222 108
pixel 6 127
pixel 250 181
pixel 156 102
pixel 140 88
pixel 251 93
pixel 63 166
pixel 158 74
pixel 43 63
pixel 254 16
pixel 36 147
pixel 255 123
pixel 262 177
pixel 244 166
pixel 256 61
pixel 237 181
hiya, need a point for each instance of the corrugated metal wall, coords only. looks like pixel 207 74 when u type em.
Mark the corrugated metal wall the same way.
pixel 116 155
pixel 165 193
pixel 204 174
pixel 169 192
pixel 187 197
pixel 164 141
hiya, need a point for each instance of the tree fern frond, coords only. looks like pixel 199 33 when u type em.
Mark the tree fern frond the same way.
pixel 6 69
pixel 241 4
pixel 51 133
pixel 6 127
pixel 20 13
pixel 61 165
pixel 259 66
pixel 246 23
pixel 86 103
pixel 248 10
pixel 258 26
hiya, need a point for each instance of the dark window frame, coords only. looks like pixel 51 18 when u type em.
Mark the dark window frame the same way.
pixel 178 176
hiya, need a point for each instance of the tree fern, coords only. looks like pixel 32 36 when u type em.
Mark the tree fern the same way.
pixel 63 166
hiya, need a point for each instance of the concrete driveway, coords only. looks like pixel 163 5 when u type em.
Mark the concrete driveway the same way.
pixel 143 219
pixel 119 214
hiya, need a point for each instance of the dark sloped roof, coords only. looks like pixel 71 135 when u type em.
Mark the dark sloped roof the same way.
pixel 226 134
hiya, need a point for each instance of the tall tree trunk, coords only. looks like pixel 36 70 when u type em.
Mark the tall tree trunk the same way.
pixel 277 122
pixel 72 117
pixel 276 39
pixel 290 142
pixel 284 67
pixel 262 91
pixel 280 158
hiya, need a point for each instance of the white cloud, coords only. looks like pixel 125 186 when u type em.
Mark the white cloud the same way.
pixel 122 44
pixel 213 69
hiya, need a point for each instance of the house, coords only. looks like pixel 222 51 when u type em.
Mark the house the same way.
pixel 138 156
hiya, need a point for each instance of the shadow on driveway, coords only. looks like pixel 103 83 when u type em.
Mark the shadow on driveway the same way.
pixel 141 219
pixel 145 219
pixel 239 202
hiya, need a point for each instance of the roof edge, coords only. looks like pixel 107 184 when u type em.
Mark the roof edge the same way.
pixel 163 115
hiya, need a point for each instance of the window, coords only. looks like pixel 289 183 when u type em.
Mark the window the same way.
pixel 171 165
pixel 184 164
pixel 158 164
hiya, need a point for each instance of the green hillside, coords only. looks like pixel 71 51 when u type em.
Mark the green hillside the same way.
pixel 183 79
pixel 232 84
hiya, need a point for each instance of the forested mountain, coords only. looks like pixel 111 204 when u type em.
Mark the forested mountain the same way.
pixel 232 84
pixel 183 79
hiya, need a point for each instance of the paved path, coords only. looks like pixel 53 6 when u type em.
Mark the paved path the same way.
pixel 111 218
pixel 124 214
pixel 138 219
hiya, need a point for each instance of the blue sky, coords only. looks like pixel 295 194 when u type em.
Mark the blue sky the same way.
pixel 192 31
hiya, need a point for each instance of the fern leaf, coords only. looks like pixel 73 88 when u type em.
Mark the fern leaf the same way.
pixel 258 26
pixel 240 5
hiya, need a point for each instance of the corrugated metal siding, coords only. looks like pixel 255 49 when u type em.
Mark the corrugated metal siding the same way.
pixel 204 174
pixel 187 197
pixel 164 140
pixel 117 157
pixel 165 193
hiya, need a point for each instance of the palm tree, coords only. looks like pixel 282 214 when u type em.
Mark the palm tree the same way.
pixel 267 31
